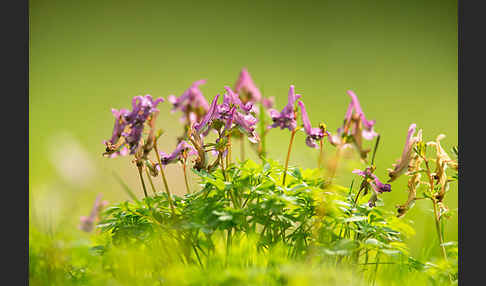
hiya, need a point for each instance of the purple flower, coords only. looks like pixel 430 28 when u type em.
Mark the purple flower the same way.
pixel 402 164
pixel 228 113
pixel 313 134
pixel 231 98
pixel 208 118
pixel 286 118
pixel 367 132
pixel 120 124
pixel 230 101
pixel 177 153
pixel 142 108
pixel 87 222
pixel 191 100
pixel 130 124
pixel 268 102
pixel 355 126
pixel 247 124
pixel 247 88
pixel 377 186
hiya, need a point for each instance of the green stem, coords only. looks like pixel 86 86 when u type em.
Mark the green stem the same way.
pixel 288 156
pixel 437 227
pixel 141 179
pixel 164 179
pixel 150 181
pixel 262 132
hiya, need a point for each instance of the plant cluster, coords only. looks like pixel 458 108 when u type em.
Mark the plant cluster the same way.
pixel 269 209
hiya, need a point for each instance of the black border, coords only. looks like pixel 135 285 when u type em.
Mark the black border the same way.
pixel 14 21
pixel 472 194
pixel 15 89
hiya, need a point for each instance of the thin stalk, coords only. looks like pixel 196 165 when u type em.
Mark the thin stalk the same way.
pixel 359 192
pixel 222 166
pixel 228 243
pixel 376 268
pixel 150 181
pixel 228 156
pixel 141 179
pixel 185 177
pixel 436 214
pixel 319 160
pixel 164 179
pixel 437 227
pixel 262 132
pixel 197 255
pixel 288 156
pixel 374 150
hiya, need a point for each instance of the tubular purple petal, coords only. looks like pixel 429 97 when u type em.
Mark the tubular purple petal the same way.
pixel 176 154
pixel 198 126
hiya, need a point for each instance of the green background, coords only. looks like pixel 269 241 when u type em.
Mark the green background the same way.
pixel 86 57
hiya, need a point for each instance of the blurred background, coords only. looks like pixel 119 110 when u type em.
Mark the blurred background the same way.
pixel 86 57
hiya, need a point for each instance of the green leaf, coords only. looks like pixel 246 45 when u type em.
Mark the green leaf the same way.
pixel 355 218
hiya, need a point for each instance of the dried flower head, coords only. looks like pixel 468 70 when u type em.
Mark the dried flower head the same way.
pixel 403 163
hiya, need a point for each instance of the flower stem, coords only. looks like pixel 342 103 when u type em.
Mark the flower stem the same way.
pixel 185 177
pixel 141 179
pixel 319 160
pixel 288 156
pixel 222 166
pixel 374 150
pixel 169 196
pixel 262 149
pixel 436 214
pixel 335 164
pixel 150 181
pixel 228 156
pixel 437 227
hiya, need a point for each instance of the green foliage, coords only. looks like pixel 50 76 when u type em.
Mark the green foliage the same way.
pixel 243 227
